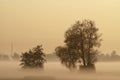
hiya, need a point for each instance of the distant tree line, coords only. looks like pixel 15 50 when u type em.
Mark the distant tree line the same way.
pixel 113 56
pixel 6 57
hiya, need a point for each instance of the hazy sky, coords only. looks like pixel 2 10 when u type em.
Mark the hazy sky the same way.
pixel 27 23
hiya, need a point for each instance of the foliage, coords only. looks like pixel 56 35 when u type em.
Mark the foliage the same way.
pixel 35 58
pixel 82 41
pixel 83 36
pixel 68 57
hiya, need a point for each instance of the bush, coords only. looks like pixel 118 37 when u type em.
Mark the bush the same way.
pixel 35 58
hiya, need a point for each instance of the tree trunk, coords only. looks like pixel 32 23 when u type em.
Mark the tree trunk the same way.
pixel 84 63
pixel 89 60
pixel 83 57
pixel 82 49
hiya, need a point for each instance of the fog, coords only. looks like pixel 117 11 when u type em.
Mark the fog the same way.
pixel 10 70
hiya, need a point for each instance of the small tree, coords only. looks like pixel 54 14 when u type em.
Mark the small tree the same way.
pixel 15 56
pixel 35 58
pixel 68 57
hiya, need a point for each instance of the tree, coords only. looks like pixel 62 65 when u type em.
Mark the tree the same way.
pixel 15 56
pixel 5 57
pixel 84 39
pixel 35 58
pixel 68 57
pixel 83 36
pixel 113 53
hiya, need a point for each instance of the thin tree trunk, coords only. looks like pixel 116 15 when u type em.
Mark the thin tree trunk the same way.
pixel 89 44
pixel 82 45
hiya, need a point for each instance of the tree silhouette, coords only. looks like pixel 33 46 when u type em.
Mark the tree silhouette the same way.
pixel 15 56
pixel 68 57
pixel 35 58
pixel 82 38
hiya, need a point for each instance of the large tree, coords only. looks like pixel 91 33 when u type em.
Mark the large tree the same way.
pixel 82 38
pixel 35 58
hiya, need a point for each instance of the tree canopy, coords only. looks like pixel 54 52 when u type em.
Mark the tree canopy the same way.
pixel 34 58
pixel 68 57
pixel 82 41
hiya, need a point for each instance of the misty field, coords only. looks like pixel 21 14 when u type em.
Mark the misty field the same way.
pixel 10 70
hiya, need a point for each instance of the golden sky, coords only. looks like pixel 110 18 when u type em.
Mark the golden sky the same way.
pixel 27 23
